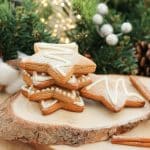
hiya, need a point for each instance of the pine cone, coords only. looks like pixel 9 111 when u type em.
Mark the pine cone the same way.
pixel 143 57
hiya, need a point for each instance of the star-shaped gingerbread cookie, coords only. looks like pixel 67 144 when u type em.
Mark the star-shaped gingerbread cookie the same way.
pixel 50 106
pixel 55 92
pixel 142 84
pixel 42 80
pixel 114 91
pixel 60 65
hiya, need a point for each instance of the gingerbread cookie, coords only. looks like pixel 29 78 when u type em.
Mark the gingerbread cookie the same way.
pixel 60 65
pixel 42 80
pixel 50 106
pixel 114 91
pixel 48 93
pixel 38 80
pixel 142 85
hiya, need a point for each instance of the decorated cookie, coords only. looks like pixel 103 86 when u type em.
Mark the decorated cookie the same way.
pixel 48 93
pixel 50 106
pixel 38 80
pixel 114 91
pixel 42 80
pixel 60 65
pixel 142 85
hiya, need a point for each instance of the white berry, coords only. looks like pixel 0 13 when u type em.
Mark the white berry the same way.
pixel 106 29
pixel 97 19
pixel 126 27
pixel 102 9
pixel 112 39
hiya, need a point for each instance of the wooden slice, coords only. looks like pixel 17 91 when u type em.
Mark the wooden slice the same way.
pixel 141 131
pixel 15 145
pixel 22 120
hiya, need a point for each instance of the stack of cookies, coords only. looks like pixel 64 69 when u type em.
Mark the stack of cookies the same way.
pixel 53 79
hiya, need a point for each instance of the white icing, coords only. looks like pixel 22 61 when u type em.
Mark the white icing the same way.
pixel 113 95
pixel 30 88
pixel 72 79
pixel 83 79
pixel 94 83
pixel 24 87
pixel 32 92
pixel 80 102
pixel 62 63
pixel 74 93
pixel 36 78
pixel 43 90
pixel 130 93
pixel 57 58
pixel 68 94
pixel 52 88
pixel 60 52
pixel 56 50
pixel 48 103
pixel 88 78
pixel 37 91
pixel 57 89
pixel 43 74
pixel 73 96
pixel 60 70
pixel 78 93
pixel 48 89
pixel 64 92
pixel 83 76
pixel 24 71
pixel 51 58
pixel 55 47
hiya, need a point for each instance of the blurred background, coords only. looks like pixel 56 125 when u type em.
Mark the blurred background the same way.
pixel 113 33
